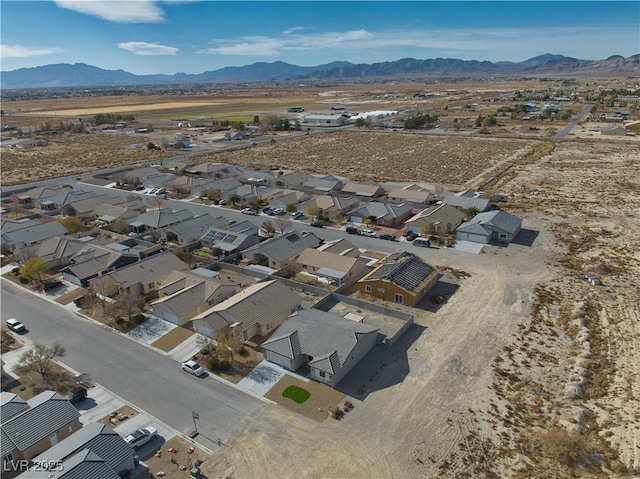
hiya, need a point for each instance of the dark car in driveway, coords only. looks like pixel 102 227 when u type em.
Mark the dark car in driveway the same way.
pixel 411 236
pixel 388 237
pixel 317 224
pixel 51 285
pixel 77 394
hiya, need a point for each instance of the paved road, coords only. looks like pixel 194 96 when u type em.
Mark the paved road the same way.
pixel 576 119
pixel 144 377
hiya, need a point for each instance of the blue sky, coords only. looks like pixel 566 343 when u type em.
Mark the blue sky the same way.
pixel 145 36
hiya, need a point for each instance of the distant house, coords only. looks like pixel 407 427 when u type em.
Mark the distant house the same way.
pixel 466 199
pixel 364 190
pixel 236 135
pixel 85 209
pixel 58 201
pixel 191 229
pixel 157 219
pixel 402 278
pixel 294 179
pixel 93 261
pixel 281 250
pixel 333 267
pixel 280 198
pixel 330 346
pixel 57 251
pixel 185 294
pixel 440 219
pixel 323 184
pixel 100 440
pixel 226 186
pixel 27 233
pixel 257 310
pixel 141 277
pixel 614 131
pixel 330 205
pixel 340 246
pixel 28 198
pixel 236 237
pixel 31 427
pixel 483 228
pixel 382 214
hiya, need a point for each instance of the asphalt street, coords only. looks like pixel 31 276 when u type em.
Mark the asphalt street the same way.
pixel 146 378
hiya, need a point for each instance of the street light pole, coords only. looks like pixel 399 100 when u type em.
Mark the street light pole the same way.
pixel 195 432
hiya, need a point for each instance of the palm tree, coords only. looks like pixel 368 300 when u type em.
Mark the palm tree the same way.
pixel 471 212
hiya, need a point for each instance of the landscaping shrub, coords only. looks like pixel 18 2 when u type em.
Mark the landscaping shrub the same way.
pixel 139 318
pixel 204 351
pixel 16 271
pixel 23 280
pixel 296 394
pixel 216 364
pixel 244 352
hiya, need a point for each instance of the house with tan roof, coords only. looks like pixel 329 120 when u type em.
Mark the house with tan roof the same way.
pixel 85 209
pixel 439 219
pixel 330 346
pixel 185 294
pixel 382 214
pixel 334 268
pixel 402 278
pixel 280 198
pixel 420 196
pixel 278 252
pixel 330 205
pixel 340 246
pixel 256 310
pixel 372 190
pixel 57 251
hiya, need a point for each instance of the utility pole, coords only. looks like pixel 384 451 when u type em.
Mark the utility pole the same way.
pixel 195 432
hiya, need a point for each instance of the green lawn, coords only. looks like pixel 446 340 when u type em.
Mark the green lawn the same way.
pixel 296 394
pixel 201 253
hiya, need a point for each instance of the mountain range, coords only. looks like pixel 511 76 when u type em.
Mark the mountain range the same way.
pixel 83 75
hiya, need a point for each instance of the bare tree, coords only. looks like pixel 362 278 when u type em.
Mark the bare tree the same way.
pixel 156 202
pixel 127 303
pixel 41 359
pixel 269 228
pixel 229 342
pixel 282 224
pixel 203 341
pixel 121 226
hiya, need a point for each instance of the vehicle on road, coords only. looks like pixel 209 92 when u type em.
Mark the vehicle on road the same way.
pixel 51 285
pixel 317 224
pixel 248 211
pixel 193 368
pixel 141 436
pixel 352 230
pixel 388 237
pixel 369 233
pixel 297 214
pixel 424 242
pixel 77 394
pixel 412 235
pixel 16 326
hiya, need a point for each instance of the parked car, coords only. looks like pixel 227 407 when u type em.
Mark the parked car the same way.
pixel 352 230
pixel 369 233
pixel 388 237
pixel 248 211
pixel 297 214
pixel 51 285
pixel 278 211
pixel 77 394
pixel 152 191
pixel 412 235
pixel 16 326
pixel 223 202
pixel 317 224
pixel 161 191
pixel 193 368
pixel 424 242
pixel 141 436
pixel 141 188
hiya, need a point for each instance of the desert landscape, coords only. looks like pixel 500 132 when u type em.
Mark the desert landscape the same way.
pixel 528 371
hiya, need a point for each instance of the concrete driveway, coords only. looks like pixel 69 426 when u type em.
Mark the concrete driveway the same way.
pixel 152 329
pixel 264 376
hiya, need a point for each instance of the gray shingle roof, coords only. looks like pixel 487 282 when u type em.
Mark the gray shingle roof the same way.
pixel 83 465
pixel 48 413
pixel 464 202
pixel 98 438
pixel 328 338
pixel 10 405
pixel 34 233
pixel 149 270
pixel 192 228
pixel 486 223
pixel 285 246
pixel 405 270
pixel 161 218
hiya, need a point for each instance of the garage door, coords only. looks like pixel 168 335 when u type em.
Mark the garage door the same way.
pixel 477 238
pixel 277 359
pixel 164 314
pixel 203 329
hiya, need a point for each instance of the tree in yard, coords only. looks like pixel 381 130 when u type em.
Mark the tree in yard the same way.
pixel 312 211
pixel 282 224
pixel 204 342
pixel 216 251
pixel 491 120
pixel 426 229
pixel 41 359
pixel 73 224
pixel 367 222
pixel 213 194
pixel 234 199
pixel 127 303
pixel 156 202
pixel 35 268
pixel 471 212
pixel 229 343
pixel 256 120
pixel 120 226
pixel 359 122
pixel 338 216
pixel 296 125
pixel 290 207
pixel 269 228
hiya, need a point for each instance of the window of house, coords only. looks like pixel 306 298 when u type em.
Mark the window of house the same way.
pixel 367 288
pixel 399 298
pixel 503 236
pixel 322 374
pixel 150 285
pixel 8 458
pixel 268 326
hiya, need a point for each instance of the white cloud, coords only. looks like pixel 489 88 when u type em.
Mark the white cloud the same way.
pixel 139 11
pixel 253 46
pixel 292 29
pixel 144 48
pixel 18 51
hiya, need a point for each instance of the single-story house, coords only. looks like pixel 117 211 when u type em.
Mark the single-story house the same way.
pixel 281 198
pixel 382 214
pixel 191 229
pixel 31 427
pixel 83 464
pixel 335 268
pixel 56 202
pixel 33 233
pixel 294 179
pixel 29 197
pixel 279 251
pixel 323 184
pixel 93 261
pixel 406 195
pixel 141 277
pixel 157 219
pixel 483 228
pixel 330 346
pixel 362 189
pixel 402 277
pixel 85 209
pixel 330 205
pixel 341 246
pixel 256 310
pixel 56 251
pixel 439 219
pixel 184 295
pixel 463 202
pixel 225 186
pixel 101 440
pixel 236 237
